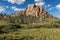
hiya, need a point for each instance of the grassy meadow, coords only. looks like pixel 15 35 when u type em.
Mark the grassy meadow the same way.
pixel 32 34
pixel 29 28
pixel 35 31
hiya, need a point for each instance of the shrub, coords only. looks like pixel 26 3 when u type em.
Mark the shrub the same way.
pixel 9 28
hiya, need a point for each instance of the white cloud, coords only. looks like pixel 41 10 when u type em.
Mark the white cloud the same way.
pixel 39 2
pixel 46 6
pixel 17 9
pixel 2 9
pixel 36 0
pixel 58 6
pixel 51 8
pixel 16 1
pixel 7 6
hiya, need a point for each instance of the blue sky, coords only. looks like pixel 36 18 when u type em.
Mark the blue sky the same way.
pixel 12 6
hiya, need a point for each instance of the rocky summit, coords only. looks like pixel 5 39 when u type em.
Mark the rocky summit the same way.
pixel 34 10
pixel 37 11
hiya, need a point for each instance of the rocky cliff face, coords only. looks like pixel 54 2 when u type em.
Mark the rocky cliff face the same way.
pixel 37 11
pixel 34 10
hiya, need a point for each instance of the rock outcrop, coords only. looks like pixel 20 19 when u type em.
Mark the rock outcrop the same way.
pixel 34 10
pixel 37 11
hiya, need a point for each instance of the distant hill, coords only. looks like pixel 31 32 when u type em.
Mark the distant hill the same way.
pixel 31 14
pixel 36 11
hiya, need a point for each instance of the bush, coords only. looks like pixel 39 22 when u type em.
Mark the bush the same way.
pixel 9 28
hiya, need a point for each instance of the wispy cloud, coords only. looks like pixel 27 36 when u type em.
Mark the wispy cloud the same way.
pixel 2 9
pixel 58 6
pixel 16 1
pixel 7 6
pixel 39 2
pixel 51 8
pixel 17 9
pixel 47 6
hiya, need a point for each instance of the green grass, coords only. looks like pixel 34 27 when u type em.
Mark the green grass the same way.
pixel 2 22
pixel 42 33
pixel 34 34
pixel 35 31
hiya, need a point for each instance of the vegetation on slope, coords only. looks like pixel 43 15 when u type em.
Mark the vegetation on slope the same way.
pixel 29 28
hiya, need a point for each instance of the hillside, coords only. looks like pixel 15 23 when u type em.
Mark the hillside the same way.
pixel 34 10
pixel 32 14
pixel 34 23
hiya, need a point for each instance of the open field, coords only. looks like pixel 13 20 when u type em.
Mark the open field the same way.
pixel 33 34
pixel 34 31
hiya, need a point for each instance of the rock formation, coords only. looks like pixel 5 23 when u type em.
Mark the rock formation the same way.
pixel 37 11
